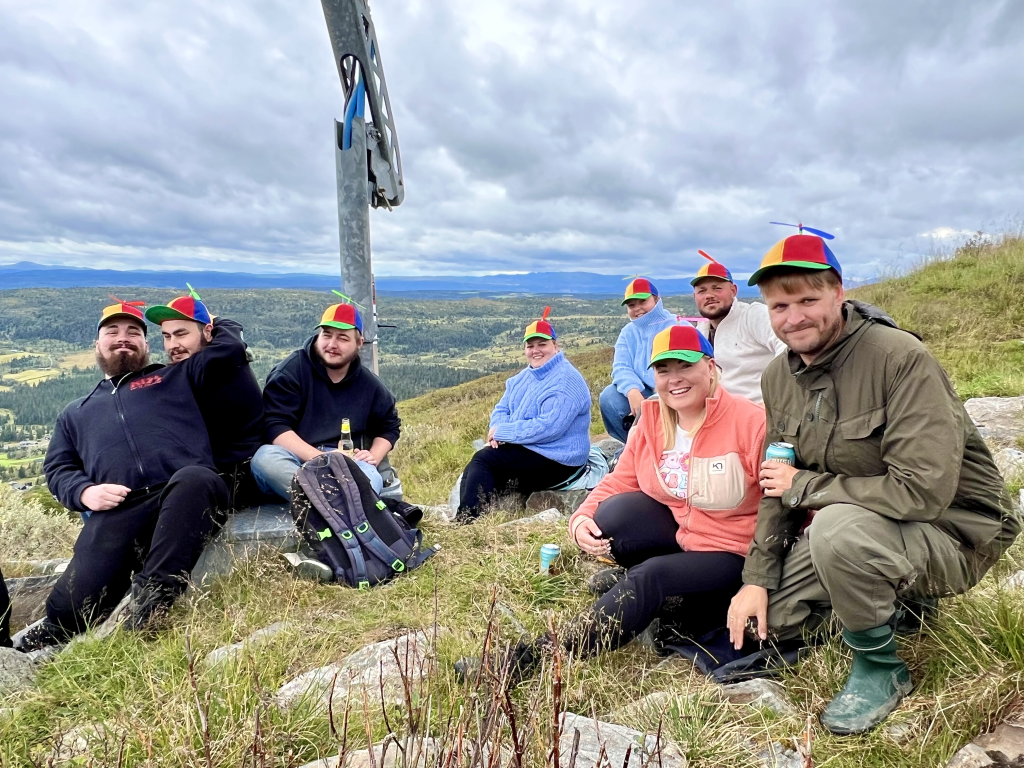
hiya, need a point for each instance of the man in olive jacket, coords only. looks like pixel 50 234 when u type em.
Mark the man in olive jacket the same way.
pixel 904 499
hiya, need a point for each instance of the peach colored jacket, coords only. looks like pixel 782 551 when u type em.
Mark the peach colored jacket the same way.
pixel 720 509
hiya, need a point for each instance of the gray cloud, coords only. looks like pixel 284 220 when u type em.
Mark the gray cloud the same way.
pixel 535 135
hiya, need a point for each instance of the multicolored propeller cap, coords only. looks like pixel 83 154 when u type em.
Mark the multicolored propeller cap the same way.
pixel 130 309
pixel 640 288
pixel 180 308
pixel 345 317
pixel 541 329
pixel 800 251
pixel 680 342
pixel 711 269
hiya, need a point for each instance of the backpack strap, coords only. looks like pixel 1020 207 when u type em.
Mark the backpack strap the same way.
pixel 363 530
pixel 336 523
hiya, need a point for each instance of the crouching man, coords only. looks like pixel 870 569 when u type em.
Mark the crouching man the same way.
pixel 133 457
pixel 311 391
pixel 910 505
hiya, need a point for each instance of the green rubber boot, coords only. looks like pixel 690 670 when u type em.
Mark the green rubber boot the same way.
pixel 877 683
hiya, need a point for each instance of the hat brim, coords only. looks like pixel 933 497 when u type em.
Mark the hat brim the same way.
pixel 538 336
pixel 686 355
pixel 161 314
pixel 339 326
pixel 709 277
pixel 797 264
pixel 641 296
pixel 116 315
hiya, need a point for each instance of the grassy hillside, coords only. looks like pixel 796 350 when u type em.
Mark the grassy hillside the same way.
pixel 969 310
pixel 968 667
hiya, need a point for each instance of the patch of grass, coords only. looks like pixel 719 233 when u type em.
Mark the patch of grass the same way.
pixel 968 311
pixel 28 531
pixel 33 375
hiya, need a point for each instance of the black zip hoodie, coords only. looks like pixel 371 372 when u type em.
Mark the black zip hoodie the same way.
pixel 300 396
pixel 136 430
pixel 228 395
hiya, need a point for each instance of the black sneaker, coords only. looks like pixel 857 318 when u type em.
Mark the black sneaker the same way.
pixel 913 613
pixel 517 663
pixel 149 604
pixel 43 634
pixel 605 579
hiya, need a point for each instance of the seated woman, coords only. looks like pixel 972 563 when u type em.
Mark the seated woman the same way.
pixel 679 510
pixel 540 429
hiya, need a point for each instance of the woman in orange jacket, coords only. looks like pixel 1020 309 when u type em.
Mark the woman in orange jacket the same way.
pixel 678 512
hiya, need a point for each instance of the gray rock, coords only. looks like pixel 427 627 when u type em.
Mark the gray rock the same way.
pixel 40 567
pixel 438 513
pixel 609 447
pixel 1000 420
pixel 547 516
pixel 257 638
pixel 616 740
pixel 763 694
pixel 777 756
pixel 17 672
pixel 421 754
pixel 79 742
pixel 1014 580
pixel 1010 463
pixel 28 598
pixel 368 668
pixel 247 533
pixel 899 733
pixel 651 706
pixel 1007 738
pixel 564 501
pixel 971 756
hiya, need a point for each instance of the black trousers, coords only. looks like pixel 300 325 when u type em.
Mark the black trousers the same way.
pixel 497 471
pixel 155 539
pixel 643 534
pixel 5 614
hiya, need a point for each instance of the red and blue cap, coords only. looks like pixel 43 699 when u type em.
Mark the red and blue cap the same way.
pixel 799 251
pixel 640 288
pixel 344 317
pixel 680 342
pixel 180 308
pixel 541 329
pixel 131 309
pixel 711 269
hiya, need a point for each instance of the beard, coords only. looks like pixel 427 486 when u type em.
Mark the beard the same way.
pixel 347 360
pixel 715 314
pixel 814 347
pixel 118 364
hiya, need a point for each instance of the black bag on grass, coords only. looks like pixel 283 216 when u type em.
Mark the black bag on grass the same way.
pixel 349 528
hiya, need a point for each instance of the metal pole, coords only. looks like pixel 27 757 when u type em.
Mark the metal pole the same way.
pixel 354 227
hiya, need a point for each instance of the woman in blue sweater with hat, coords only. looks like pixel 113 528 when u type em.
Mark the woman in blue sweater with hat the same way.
pixel 539 435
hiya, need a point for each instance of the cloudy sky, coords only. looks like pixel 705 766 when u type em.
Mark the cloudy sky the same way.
pixel 611 136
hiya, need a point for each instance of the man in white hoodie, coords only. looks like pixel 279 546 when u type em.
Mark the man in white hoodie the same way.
pixel 632 379
pixel 741 333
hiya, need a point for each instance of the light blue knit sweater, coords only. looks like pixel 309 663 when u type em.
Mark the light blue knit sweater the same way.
pixel 547 410
pixel 633 350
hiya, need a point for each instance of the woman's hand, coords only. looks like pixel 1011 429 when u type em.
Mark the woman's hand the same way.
pixel 588 538
pixel 490 438
pixel 750 601
pixel 776 477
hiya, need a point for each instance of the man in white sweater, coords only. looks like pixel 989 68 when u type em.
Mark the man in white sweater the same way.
pixel 741 333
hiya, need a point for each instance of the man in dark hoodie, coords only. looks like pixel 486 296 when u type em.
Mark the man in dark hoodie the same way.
pixel 225 388
pixel 134 459
pixel 311 391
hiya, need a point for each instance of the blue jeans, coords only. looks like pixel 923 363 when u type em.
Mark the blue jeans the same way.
pixel 614 408
pixel 273 468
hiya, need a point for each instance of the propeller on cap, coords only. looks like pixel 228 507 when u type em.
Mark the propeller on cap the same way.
pixel 349 299
pixel 129 303
pixel 192 292
pixel 802 228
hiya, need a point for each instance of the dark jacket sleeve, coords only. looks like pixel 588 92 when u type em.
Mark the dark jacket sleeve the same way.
pixel 224 353
pixel 283 403
pixel 384 421
pixel 922 447
pixel 65 476
pixel 777 526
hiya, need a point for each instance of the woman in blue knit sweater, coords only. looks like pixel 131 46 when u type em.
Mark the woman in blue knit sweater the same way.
pixel 540 429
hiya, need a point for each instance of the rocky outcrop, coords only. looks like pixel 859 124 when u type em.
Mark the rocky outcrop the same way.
pixel 1003 747
pixel 259 637
pixel 1000 420
pixel 602 744
pixel 17 672
pixel 385 666
pixel 762 694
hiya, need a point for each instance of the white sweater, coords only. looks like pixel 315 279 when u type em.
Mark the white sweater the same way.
pixel 744 345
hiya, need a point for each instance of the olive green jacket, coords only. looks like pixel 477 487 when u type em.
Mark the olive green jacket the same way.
pixel 876 422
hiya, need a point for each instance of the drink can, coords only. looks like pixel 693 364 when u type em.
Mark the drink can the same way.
pixel 782 453
pixel 548 554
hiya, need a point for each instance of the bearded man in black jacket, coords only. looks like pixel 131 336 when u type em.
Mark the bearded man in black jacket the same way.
pixel 309 393
pixel 134 459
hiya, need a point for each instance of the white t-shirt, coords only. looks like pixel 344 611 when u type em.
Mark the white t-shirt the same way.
pixel 674 466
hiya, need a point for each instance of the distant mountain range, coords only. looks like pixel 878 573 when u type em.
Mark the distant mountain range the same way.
pixel 25 274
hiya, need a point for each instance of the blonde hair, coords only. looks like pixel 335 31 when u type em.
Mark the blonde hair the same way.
pixel 670 419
